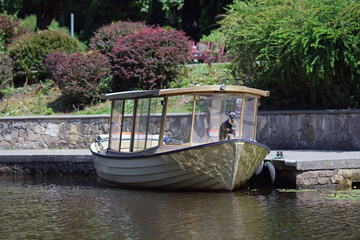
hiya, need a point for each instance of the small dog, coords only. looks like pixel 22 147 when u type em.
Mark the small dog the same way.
pixel 227 128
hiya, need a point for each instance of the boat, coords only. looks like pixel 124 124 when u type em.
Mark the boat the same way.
pixel 169 139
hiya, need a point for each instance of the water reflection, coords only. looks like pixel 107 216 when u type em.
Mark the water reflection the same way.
pixel 56 208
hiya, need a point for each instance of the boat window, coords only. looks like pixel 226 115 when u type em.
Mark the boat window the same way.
pixel 147 125
pixel 127 125
pixel 154 124
pixel 210 112
pixel 178 126
pixel 249 121
pixel 115 124
pixel 138 135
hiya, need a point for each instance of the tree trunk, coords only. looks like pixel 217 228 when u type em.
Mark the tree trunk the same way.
pixel 190 18
pixel 46 12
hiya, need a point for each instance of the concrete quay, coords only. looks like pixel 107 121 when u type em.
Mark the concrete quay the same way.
pixel 296 169
pixel 304 169
pixel 46 161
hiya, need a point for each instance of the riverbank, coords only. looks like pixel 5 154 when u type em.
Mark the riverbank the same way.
pixel 297 169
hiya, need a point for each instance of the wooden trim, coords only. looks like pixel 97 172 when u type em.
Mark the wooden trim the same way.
pixel 117 155
pixel 255 118
pixel 134 126
pixel 242 116
pixel 163 122
pixel 192 121
pixel 111 115
pixel 147 124
pixel 122 122
pixel 213 89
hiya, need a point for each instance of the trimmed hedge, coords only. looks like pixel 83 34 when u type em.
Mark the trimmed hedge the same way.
pixel 149 59
pixel 80 77
pixel 29 50
pixel 106 37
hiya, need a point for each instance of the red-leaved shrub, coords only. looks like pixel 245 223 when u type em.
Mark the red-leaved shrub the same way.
pixel 9 29
pixel 149 59
pixel 80 77
pixel 106 37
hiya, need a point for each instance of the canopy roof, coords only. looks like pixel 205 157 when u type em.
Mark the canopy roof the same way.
pixel 219 89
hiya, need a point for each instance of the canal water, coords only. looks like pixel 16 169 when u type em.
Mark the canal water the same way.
pixel 83 208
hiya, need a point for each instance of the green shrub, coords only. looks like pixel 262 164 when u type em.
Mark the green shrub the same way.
pixel 80 77
pixel 29 50
pixel 29 22
pixel 307 53
pixel 216 35
pixel 106 37
pixel 6 73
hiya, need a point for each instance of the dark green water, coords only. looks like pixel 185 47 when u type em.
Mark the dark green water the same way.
pixel 75 208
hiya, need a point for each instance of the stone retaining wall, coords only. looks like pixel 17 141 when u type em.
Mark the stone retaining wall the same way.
pixel 39 132
pixel 320 130
pixel 337 178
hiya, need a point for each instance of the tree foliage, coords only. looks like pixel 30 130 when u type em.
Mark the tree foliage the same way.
pixel 307 53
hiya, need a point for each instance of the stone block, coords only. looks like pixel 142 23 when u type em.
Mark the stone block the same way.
pixel 324 180
pixel 39 129
pixel 62 144
pixel 347 173
pixel 4 145
pixel 18 146
pixel 310 181
pixel 356 175
pixel 43 124
pixel 50 141
pixel 31 136
pixel 327 173
pixel 40 144
pixel 85 129
pixel 52 130
pixel 310 174
pixel 74 129
pixel 75 139
pixel 336 179
pixel 29 145
pixel 63 132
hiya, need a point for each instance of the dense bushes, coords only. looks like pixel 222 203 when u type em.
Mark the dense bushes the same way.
pixel 106 37
pixel 9 29
pixel 29 50
pixel 6 73
pixel 149 58
pixel 307 53
pixel 80 77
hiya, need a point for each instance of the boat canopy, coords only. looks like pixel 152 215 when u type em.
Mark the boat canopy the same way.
pixel 143 120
